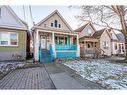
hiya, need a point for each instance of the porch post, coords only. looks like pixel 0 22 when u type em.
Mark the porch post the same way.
pixel 36 54
pixel 53 44
pixel 78 47
pixel 71 40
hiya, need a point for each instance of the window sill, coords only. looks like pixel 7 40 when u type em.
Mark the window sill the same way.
pixel 8 45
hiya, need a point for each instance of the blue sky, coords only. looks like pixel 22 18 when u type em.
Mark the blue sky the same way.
pixel 40 12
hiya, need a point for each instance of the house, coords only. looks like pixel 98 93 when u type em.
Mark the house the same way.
pixel 88 43
pixel 118 42
pixel 93 43
pixel 54 38
pixel 13 35
pixel 105 41
pixel 121 44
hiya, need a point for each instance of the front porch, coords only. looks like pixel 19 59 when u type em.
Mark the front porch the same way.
pixel 90 47
pixel 51 45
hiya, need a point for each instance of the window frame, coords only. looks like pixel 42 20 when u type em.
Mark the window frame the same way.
pixel 55 24
pixel 9 41
pixel 116 47
pixel 89 32
pixel 106 46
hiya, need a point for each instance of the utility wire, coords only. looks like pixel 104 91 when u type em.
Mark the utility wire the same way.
pixel 31 15
pixel 24 13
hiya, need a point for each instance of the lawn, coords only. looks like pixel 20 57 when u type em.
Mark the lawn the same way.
pixel 104 72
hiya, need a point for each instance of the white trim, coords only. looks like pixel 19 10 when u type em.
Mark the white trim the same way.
pixel 56 11
pixel 36 54
pixel 13 27
pixel 57 32
pixel 66 51
pixel 9 42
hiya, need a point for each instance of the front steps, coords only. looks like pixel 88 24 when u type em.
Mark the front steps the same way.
pixel 45 56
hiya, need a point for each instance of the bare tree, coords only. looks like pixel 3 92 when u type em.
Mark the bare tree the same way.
pixel 112 16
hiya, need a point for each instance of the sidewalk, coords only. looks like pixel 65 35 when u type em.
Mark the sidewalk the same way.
pixel 65 78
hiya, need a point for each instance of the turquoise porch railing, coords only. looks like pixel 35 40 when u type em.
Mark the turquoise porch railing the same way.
pixel 66 51
pixel 66 47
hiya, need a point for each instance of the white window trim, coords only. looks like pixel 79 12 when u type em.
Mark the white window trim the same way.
pixel 54 26
pixel 89 32
pixel 106 43
pixel 9 40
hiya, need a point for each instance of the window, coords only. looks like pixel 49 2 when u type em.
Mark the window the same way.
pixel 105 44
pixel 122 47
pixel 8 39
pixel 88 46
pixel 45 25
pixel 59 25
pixel 89 32
pixel 51 24
pixel 115 46
pixel 60 40
pixel 55 22
pixel 13 39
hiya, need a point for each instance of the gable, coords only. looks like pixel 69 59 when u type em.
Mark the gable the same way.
pixel 87 31
pixel 49 22
pixel 105 36
pixel 9 19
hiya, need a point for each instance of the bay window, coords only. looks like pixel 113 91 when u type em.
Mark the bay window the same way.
pixel 8 39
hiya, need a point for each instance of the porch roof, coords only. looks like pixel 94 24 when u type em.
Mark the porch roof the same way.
pixel 58 31
pixel 89 39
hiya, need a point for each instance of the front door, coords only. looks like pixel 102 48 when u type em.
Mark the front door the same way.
pixel 43 42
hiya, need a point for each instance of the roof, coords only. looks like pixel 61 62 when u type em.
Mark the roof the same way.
pixel 98 33
pixel 81 28
pixel 121 37
pixel 54 12
pixel 16 17
pixel 84 26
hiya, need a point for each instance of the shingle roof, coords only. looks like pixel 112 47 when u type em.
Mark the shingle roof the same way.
pixel 120 37
pixel 98 33
pixel 81 28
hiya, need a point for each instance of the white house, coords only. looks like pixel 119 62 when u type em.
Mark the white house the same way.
pixel 54 38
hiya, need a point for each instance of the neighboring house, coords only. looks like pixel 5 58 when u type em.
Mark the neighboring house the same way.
pixel 118 42
pixel 13 35
pixel 105 41
pixel 94 43
pixel 121 44
pixel 54 38
pixel 88 43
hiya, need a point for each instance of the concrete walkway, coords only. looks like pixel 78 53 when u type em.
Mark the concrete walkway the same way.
pixel 66 78
pixel 61 79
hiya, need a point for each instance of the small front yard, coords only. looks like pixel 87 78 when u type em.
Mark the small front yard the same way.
pixel 102 71
pixel 8 66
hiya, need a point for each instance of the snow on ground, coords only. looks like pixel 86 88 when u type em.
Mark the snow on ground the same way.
pixel 109 75
pixel 5 67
